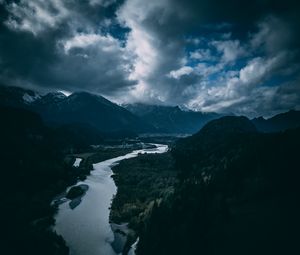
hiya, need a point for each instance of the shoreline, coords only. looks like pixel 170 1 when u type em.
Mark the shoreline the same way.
pixel 91 213
pixel 121 235
pixel 82 172
pixel 124 226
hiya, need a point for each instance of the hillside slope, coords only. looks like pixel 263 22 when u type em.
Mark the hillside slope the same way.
pixel 236 194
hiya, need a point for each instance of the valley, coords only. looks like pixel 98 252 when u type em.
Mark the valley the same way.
pixel 92 189
pixel 161 127
pixel 90 219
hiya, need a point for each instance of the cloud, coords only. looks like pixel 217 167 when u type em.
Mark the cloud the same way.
pixel 231 50
pixel 93 62
pixel 208 55
pixel 185 70
pixel 61 45
pixel 274 34
pixel 37 15
pixel 104 3
pixel 83 41
pixel 243 92
pixel 202 55
pixel 256 70
pixel 151 41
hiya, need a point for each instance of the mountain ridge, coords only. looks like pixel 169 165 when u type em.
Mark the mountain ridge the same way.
pixel 279 122
pixel 82 108
pixel 171 119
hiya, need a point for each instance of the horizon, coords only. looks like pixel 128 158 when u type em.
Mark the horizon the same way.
pixel 204 56
pixel 182 108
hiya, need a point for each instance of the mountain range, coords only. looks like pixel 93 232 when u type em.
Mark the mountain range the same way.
pixel 96 112
pixel 168 119
pixel 87 113
pixel 80 108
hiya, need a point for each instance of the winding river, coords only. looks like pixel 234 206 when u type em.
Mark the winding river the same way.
pixel 86 228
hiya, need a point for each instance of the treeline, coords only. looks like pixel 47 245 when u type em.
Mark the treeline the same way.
pixel 237 193
pixel 142 183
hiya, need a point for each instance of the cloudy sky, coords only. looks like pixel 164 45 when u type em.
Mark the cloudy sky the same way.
pixel 232 56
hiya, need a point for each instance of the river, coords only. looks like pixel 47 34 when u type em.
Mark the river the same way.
pixel 86 229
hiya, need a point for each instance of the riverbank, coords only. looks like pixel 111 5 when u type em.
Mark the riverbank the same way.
pixel 86 228
pixel 82 169
pixel 142 183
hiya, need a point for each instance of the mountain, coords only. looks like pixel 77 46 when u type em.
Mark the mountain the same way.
pixel 79 109
pixel 17 97
pixel 280 122
pixel 216 131
pixel 168 119
pixel 96 112
pixel 236 194
pixel 212 140
pixel 89 109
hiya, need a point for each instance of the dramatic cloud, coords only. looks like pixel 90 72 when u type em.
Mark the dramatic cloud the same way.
pixel 231 50
pixel 225 56
pixel 64 45
pixel 36 16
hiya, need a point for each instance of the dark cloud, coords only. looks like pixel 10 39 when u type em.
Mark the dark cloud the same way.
pixel 209 55
pixel 32 46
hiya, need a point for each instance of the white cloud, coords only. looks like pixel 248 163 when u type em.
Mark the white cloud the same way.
pixel 81 55
pixel 107 43
pixel 139 42
pixel 36 15
pixel 205 70
pixel 185 70
pixel 231 50
pixel 233 88
pixel 202 55
pixel 154 58
pixel 152 63
pixel 259 68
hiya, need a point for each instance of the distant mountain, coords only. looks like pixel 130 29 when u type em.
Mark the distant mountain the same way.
pixel 89 109
pixel 168 119
pixel 280 122
pixel 80 109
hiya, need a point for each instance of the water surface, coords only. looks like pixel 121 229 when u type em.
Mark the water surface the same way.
pixel 86 228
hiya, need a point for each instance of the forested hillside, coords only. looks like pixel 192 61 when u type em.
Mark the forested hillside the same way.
pixel 33 171
pixel 237 194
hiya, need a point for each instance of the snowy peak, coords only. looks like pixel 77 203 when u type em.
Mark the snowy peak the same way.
pixel 17 97
pixel 30 98
pixel 57 94
pixel 51 98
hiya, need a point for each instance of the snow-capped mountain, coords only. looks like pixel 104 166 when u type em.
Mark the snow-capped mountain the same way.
pixel 80 108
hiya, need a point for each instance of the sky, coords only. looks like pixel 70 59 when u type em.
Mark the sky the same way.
pixel 240 57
